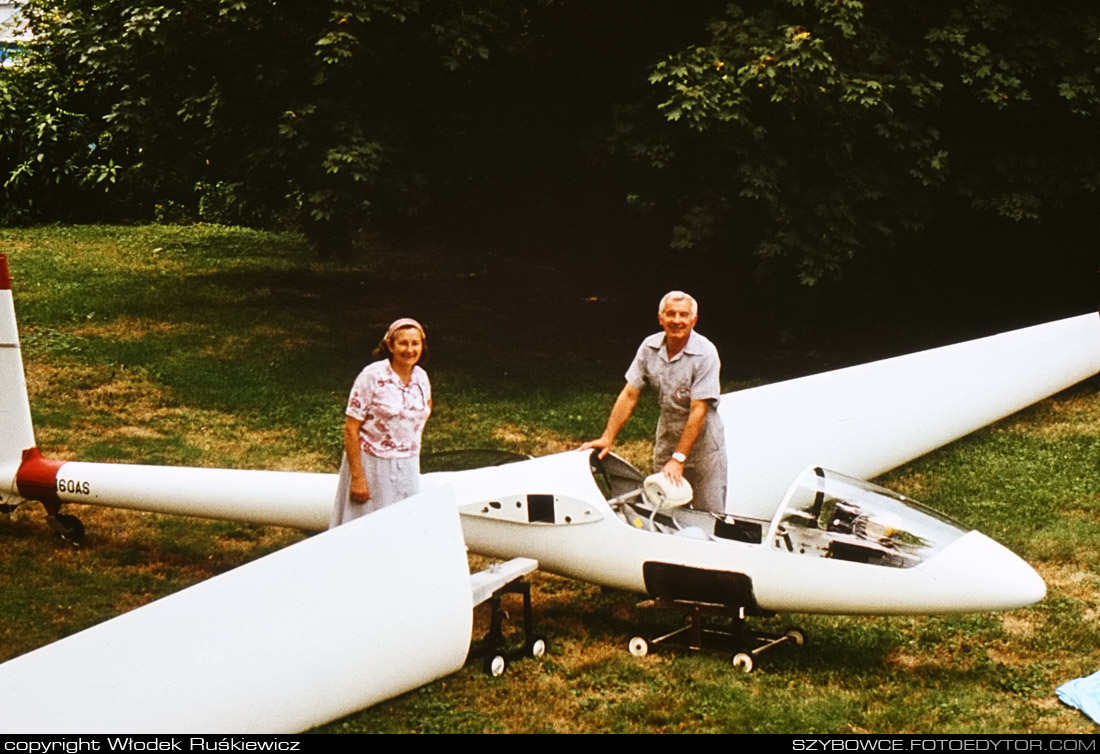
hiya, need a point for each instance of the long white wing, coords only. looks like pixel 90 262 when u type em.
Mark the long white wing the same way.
pixel 868 419
pixel 343 620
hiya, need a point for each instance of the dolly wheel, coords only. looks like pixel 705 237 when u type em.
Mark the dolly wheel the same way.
pixel 537 648
pixel 744 662
pixel 638 646
pixel 796 635
pixel 495 666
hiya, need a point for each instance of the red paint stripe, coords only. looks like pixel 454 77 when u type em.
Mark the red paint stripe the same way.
pixel 5 276
pixel 37 477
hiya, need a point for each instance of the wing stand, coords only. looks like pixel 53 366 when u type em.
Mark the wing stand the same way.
pixel 490 586
pixel 699 594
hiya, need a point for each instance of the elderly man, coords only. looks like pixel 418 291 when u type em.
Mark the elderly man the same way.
pixel 682 367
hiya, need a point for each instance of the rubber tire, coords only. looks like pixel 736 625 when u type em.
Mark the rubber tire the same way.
pixel 495 666
pixel 537 648
pixel 744 662
pixel 796 636
pixel 638 646
pixel 69 528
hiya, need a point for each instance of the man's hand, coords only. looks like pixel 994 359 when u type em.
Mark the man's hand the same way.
pixel 674 471
pixel 620 412
pixel 600 442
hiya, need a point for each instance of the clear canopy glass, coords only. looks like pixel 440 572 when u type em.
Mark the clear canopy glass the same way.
pixel 829 515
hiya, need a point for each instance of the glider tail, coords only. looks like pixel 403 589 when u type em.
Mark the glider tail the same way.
pixel 16 429
pixel 273 498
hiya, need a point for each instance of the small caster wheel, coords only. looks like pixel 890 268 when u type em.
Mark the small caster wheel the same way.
pixel 744 662
pixel 638 646
pixel 69 528
pixel 537 648
pixel 495 666
pixel 796 636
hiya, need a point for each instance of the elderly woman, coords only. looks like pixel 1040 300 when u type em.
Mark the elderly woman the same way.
pixel 388 407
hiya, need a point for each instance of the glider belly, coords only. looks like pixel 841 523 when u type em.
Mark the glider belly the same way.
pixel 341 621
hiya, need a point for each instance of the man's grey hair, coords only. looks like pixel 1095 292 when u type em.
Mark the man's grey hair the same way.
pixel 678 296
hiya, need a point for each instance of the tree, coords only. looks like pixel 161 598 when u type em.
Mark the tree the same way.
pixel 266 107
pixel 821 129
pixel 798 135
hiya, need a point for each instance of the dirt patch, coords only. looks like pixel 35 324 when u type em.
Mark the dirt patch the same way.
pixel 138 414
pixel 1018 625
pixel 220 441
pixel 913 484
pixel 538 443
pixel 130 328
pixel 925 662
pixel 1069 579
pixel 240 344
pixel 1078 415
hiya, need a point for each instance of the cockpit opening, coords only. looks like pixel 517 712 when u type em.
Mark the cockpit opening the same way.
pixel 621 484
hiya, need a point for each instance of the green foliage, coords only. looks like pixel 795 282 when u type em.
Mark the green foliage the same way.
pixel 838 126
pixel 810 133
pixel 272 110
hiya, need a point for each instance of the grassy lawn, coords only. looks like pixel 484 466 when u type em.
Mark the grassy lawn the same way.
pixel 212 346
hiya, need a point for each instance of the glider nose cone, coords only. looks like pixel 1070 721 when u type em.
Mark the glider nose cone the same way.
pixel 984 575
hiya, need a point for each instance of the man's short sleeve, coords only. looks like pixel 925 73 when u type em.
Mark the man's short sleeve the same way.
pixel 636 374
pixel 705 385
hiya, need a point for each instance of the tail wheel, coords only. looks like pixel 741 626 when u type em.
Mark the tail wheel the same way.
pixel 69 528
pixel 638 647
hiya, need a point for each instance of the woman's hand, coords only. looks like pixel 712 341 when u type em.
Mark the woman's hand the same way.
pixel 360 492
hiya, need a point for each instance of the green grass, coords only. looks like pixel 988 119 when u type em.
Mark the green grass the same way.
pixel 213 346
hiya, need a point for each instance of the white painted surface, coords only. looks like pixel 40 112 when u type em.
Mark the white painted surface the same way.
pixel 973 574
pixel 868 419
pixel 485 583
pixel 276 498
pixel 314 632
pixel 16 431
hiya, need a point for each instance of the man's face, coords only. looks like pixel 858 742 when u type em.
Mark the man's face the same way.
pixel 676 319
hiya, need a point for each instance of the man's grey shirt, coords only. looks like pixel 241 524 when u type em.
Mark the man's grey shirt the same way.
pixel 692 375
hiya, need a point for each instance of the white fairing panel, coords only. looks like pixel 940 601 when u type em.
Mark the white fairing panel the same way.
pixel 871 418
pixel 336 623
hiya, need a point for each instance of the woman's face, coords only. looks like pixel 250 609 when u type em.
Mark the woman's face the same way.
pixel 406 345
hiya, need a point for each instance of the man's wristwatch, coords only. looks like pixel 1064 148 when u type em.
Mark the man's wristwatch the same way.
pixel 679 457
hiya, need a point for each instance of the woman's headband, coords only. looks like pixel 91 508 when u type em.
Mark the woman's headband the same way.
pixel 404 322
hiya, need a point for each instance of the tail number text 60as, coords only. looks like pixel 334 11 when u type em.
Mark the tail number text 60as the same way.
pixel 73 486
